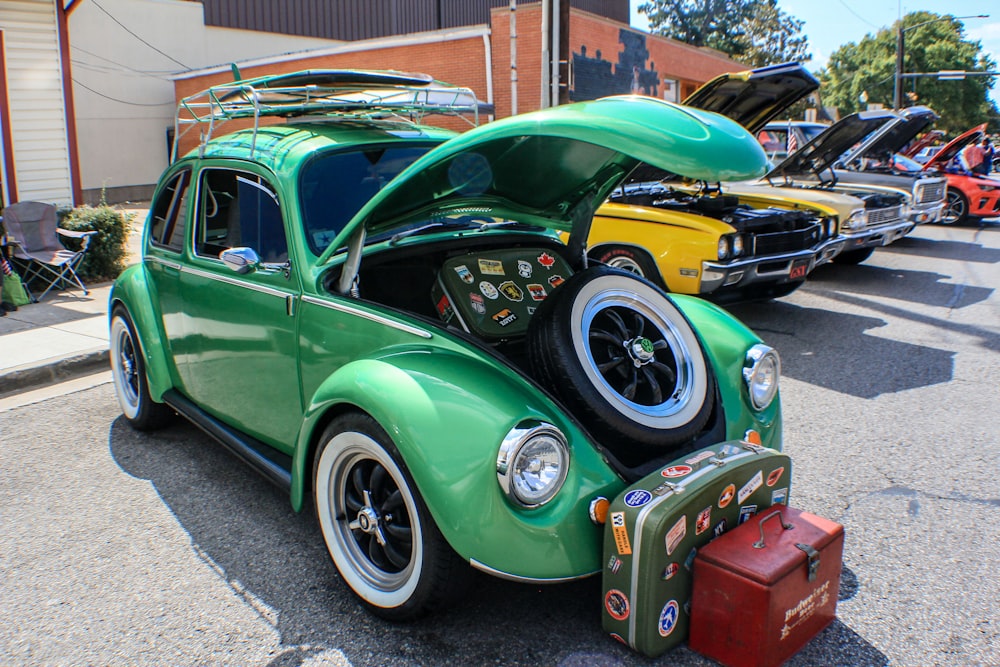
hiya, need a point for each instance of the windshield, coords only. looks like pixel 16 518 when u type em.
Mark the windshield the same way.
pixel 334 186
pixel 903 163
pixel 810 132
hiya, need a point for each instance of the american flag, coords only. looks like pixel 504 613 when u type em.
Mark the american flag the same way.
pixel 793 143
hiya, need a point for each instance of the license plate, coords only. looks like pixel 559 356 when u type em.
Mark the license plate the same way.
pixel 799 269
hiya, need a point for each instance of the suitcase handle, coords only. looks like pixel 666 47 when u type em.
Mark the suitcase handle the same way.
pixel 759 544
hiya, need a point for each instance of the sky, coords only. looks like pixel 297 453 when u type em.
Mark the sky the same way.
pixel 829 24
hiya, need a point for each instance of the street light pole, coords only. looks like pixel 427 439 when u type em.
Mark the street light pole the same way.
pixel 897 88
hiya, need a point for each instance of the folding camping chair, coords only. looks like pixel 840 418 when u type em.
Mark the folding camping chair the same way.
pixel 33 236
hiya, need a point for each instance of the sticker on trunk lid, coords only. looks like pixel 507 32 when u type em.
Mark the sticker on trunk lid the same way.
pixel 620 532
pixel 755 483
pixel 676 534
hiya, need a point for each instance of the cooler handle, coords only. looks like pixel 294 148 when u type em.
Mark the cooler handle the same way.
pixel 759 544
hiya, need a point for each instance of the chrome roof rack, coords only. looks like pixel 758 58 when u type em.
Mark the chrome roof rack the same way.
pixel 335 94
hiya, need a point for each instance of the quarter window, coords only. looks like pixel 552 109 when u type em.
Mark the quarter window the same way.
pixel 239 209
pixel 170 212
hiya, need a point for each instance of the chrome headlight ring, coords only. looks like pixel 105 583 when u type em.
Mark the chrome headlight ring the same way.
pixel 532 464
pixel 761 372
pixel 858 219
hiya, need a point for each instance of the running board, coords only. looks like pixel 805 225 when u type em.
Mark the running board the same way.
pixel 273 465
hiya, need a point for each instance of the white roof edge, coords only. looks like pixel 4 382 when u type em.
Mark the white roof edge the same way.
pixel 430 37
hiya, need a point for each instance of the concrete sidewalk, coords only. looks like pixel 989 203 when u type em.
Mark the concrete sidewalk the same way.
pixel 66 334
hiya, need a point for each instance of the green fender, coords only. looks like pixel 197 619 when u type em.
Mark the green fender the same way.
pixel 447 414
pixel 726 341
pixel 136 292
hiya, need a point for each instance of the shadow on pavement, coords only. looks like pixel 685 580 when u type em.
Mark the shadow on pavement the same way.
pixel 245 530
pixel 943 249
pixel 923 287
pixel 832 350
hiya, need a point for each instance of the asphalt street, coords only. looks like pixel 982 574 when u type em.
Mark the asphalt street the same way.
pixel 123 548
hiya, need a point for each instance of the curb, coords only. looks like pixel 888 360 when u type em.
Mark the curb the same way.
pixel 49 372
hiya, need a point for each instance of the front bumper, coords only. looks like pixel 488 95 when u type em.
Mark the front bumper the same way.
pixel 877 236
pixel 786 267
pixel 927 213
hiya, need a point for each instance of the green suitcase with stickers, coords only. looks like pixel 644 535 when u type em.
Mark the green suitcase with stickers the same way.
pixel 655 527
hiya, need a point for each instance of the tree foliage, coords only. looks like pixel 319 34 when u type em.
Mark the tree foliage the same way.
pixel 756 32
pixel 866 70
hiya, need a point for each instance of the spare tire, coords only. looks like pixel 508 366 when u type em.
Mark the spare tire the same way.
pixel 621 356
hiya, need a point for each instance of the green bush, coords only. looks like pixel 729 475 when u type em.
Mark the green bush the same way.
pixel 105 257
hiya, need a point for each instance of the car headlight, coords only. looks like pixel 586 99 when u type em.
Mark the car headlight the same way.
pixel 532 464
pixel 737 245
pixel 858 219
pixel 761 372
pixel 987 188
pixel 723 248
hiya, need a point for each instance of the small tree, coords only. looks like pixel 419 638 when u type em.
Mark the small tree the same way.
pixel 756 32
pixel 105 257
pixel 866 71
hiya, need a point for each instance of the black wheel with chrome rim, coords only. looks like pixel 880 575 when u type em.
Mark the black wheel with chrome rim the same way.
pixel 128 373
pixel 378 531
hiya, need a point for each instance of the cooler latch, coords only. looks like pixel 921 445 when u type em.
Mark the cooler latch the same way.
pixel 812 559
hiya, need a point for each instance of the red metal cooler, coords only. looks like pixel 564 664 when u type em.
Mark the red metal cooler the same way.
pixel 765 588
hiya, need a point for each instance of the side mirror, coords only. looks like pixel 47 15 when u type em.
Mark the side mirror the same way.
pixel 240 260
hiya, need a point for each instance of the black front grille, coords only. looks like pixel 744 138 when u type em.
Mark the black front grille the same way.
pixel 800 239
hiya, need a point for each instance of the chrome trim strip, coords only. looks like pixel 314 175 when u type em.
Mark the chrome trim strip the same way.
pixel 159 260
pixel 368 316
pixel 527 580
pixel 263 289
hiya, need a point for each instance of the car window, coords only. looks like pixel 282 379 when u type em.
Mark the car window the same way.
pixel 239 209
pixel 169 213
pixel 335 186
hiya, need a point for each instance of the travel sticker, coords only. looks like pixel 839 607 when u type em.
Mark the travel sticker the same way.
pixel 488 290
pixel 463 272
pixel 617 604
pixel 638 498
pixel 491 267
pixel 676 471
pixel 614 564
pixel 620 532
pixel 730 450
pixel 676 534
pixel 755 483
pixel 702 522
pixel 773 478
pixel 668 618
pixel 727 495
pixel 477 302
pixel 779 496
pixel 746 512
pixel 720 528
pixel 511 291
pixel 546 260
pixel 689 561
pixel 556 281
pixel 523 268
pixel 444 308
pixel 536 291
pixel 670 571
pixel 504 317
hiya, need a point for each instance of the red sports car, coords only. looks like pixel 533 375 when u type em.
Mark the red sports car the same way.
pixel 969 195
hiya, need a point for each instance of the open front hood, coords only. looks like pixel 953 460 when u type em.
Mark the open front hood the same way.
pixel 754 97
pixel 923 142
pixel 819 154
pixel 895 135
pixel 556 166
pixel 953 148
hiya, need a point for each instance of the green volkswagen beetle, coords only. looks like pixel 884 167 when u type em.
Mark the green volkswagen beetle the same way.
pixel 379 316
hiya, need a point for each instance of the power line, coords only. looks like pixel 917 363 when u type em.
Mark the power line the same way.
pixel 125 28
pixel 859 16
pixel 147 72
pixel 115 99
